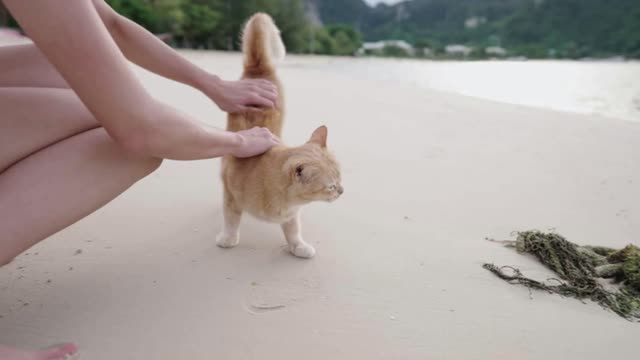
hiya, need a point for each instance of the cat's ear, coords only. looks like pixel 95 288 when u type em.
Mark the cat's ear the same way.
pixel 319 136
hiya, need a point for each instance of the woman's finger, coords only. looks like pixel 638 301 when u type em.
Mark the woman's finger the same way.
pixel 261 101
pixel 269 94
pixel 267 84
pixel 246 109
pixel 260 83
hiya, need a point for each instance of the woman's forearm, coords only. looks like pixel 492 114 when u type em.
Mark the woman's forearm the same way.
pixel 146 50
pixel 170 134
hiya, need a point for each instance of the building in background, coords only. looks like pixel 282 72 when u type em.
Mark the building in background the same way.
pixel 458 50
pixel 495 51
pixel 387 47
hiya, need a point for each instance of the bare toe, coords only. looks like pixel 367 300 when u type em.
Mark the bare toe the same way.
pixel 57 352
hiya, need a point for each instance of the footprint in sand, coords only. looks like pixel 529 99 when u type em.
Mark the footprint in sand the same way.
pixel 269 295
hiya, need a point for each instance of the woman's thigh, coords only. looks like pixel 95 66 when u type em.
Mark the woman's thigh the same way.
pixel 25 66
pixel 34 118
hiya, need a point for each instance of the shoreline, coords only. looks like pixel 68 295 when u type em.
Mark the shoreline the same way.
pixel 564 86
pixel 587 103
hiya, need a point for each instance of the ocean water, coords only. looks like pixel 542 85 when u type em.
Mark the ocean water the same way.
pixel 610 89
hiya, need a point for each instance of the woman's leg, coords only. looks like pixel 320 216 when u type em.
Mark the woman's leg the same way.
pixel 52 353
pixel 34 118
pixel 60 169
pixel 61 184
pixel 56 166
pixel 25 66
pixel 47 134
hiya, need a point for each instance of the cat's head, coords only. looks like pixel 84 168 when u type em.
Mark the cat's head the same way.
pixel 314 172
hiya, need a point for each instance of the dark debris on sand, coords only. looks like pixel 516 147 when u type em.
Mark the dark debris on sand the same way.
pixel 578 269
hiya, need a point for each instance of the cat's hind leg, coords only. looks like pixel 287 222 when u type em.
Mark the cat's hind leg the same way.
pixel 230 235
pixel 297 246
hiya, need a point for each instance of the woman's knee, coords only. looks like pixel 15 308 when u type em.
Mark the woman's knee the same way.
pixel 143 165
pixel 150 165
pixel 35 118
pixel 5 260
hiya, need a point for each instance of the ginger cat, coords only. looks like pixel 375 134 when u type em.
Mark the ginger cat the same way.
pixel 274 186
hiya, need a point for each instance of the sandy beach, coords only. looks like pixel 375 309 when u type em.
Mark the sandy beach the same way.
pixel 397 274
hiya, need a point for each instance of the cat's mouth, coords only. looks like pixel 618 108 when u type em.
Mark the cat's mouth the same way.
pixel 338 193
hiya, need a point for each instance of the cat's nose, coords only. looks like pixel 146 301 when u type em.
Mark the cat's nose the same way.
pixel 340 189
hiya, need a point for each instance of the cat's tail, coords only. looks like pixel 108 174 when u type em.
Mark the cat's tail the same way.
pixel 262 46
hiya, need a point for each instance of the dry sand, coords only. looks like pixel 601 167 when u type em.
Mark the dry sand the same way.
pixel 397 273
pixel 12 37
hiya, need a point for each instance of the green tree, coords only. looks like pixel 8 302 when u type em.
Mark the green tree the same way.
pixel 394 51
pixel 423 43
pixel 171 16
pixel 200 22
pixel 347 40
pixel 477 54
pixel 291 20
pixel 6 20
pixel 140 11
pixel 425 47
pixel 343 45
pixel 4 16
pixel 323 43
pixel 532 51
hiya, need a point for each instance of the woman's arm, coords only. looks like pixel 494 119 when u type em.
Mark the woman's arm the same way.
pixel 149 52
pixel 74 39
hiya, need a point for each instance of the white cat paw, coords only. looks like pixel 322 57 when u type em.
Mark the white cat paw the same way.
pixel 302 250
pixel 225 240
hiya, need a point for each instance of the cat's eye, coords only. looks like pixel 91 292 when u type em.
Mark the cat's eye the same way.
pixel 332 188
pixel 299 169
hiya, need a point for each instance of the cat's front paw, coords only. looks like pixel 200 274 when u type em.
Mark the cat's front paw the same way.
pixel 302 250
pixel 225 240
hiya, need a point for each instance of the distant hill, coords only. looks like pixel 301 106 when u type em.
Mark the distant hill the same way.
pixel 533 28
pixel 570 28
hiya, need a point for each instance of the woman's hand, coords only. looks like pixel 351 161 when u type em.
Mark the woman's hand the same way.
pixel 241 95
pixel 254 141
